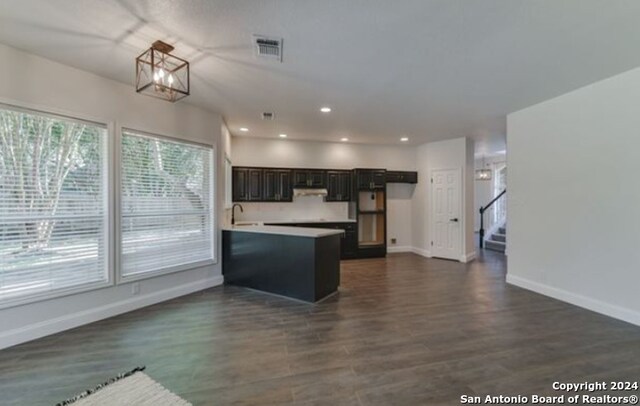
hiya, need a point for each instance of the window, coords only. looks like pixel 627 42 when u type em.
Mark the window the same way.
pixel 166 204
pixel 56 204
pixel 53 204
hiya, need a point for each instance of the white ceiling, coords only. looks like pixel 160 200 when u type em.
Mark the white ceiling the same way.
pixel 426 69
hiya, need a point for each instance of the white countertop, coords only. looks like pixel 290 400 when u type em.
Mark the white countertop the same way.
pixel 283 230
pixel 293 221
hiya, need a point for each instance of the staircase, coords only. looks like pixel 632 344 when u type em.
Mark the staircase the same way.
pixel 498 240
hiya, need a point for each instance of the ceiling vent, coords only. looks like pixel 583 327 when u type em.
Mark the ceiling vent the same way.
pixel 268 116
pixel 268 47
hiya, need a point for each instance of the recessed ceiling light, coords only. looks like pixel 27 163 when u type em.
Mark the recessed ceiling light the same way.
pixel 244 129
pixel 404 139
pixel 326 109
pixel 283 135
pixel 344 139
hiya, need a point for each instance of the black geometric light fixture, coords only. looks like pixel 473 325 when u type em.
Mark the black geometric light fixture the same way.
pixel 160 74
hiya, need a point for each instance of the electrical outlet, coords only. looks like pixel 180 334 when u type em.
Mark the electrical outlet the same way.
pixel 135 288
pixel 393 241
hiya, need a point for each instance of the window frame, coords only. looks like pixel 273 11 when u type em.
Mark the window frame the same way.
pixel 112 175
pixel 120 277
pixel 109 185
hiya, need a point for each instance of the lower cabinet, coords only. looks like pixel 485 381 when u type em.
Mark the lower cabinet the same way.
pixel 348 241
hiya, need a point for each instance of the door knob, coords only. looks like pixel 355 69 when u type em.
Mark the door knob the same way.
pixel 455 220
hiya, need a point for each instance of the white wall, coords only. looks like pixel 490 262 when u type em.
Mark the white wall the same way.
pixel 449 154
pixel 247 151
pixel 228 200
pixel 307 154
pixel 468 172
pixel 574 200
pixel 32 81
pixel 420 228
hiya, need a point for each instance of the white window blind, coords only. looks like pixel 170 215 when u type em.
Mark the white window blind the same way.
pixel 166 204
pixel 53 205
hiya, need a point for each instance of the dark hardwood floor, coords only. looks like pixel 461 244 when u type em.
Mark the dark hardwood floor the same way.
pixel 403 330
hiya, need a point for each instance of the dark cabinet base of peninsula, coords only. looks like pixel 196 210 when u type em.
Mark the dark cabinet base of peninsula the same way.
pixel 306 269
pixel 348 240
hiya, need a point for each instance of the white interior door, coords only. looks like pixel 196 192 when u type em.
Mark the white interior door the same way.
pixel 446 190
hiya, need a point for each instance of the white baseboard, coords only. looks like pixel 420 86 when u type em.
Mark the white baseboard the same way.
pixel 69 321
pixel 425 253
pixel 399 249
pixel 595 305
pixel 469 257
pixel 420 251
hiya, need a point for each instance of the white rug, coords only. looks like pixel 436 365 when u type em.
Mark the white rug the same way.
pixel 135 388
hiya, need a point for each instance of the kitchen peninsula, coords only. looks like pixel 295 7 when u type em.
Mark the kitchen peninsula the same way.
pixel 296 262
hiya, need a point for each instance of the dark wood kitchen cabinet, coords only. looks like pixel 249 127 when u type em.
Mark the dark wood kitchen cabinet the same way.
pixel 349 244
pixel 348 240
pixel 371 179
pixel 402 177
pixel 309 178
pixel 277 185
pixel 338 186
pixel 247 184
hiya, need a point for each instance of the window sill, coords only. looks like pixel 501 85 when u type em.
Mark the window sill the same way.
pixel 165 271
pixel 57 294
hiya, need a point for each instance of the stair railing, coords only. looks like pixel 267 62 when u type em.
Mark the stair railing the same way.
pixel 482 210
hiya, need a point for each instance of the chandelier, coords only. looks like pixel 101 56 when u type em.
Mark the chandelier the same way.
pixel 162 75
pixel 484 173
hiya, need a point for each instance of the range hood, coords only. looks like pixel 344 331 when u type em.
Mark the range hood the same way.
pixel 309 192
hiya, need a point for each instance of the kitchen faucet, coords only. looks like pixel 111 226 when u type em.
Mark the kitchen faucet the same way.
pixel 233 212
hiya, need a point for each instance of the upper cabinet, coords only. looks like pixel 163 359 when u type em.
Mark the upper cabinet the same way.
pixel 261 185
pixel 277 185
pixel 402 177
pixel 370 179
pixel 309 178
pixel 338 186
pixel 247 184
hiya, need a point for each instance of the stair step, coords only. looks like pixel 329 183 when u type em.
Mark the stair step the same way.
pixel 495 245
pixel 498 237
pixel 502 230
